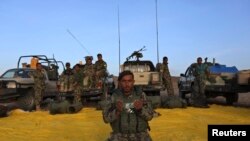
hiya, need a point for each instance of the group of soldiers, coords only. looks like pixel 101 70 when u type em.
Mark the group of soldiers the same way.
pixel 128 109
pixel 80 76
pixel 72 80
pixel 201 73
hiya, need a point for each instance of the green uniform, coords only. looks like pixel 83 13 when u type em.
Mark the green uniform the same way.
pixel 39 85
pixel 89 73
pixel 67 80
pixel 130 124
pixel 166 77
pixel 198 93
pixel 101 69
pixel 78 80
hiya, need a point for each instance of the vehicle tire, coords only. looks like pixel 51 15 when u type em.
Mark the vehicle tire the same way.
pixel 27 100
pixel 231 98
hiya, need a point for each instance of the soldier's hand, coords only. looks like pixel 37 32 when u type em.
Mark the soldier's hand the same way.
pixel 119 105
pixel 138 104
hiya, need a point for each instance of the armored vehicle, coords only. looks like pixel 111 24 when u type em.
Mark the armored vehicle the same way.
pixel 16 85
pixel 223 81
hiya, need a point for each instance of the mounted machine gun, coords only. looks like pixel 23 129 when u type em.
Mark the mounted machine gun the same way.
pixel 136 54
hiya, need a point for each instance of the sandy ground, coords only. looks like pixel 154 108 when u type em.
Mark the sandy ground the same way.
pixel 189 124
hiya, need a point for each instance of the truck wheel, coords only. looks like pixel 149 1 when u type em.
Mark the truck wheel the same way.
pixel 27 101
pixel 231 98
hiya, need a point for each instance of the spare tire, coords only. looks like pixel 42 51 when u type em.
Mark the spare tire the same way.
pixel 26 101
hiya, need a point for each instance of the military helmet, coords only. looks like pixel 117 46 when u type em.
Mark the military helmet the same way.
pixel 88 58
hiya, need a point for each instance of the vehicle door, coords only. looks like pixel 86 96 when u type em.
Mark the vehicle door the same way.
pixel 187 79
pixel 51 86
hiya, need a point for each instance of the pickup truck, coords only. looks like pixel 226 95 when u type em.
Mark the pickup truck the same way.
pixel 16 85
pixel 146 77
pixel 223 81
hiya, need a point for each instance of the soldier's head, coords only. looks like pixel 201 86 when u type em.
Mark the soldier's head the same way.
pixel 88 59
pixel 99 56
pixel 77 67
pixel 39 66
pixel 67 65
pixel 165 60
pixel 126 81
pixel 199 60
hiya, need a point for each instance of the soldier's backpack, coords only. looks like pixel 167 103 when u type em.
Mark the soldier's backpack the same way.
pixel 64 106
pixel 173 102
pixel 155 101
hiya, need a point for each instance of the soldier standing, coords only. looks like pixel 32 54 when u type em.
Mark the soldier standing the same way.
pixel 66 79
pixel 89 72
pixel 100 67
pixel 77 83
pixel 39 84
pixel 201 72
pixel 166 77
pixel 128 111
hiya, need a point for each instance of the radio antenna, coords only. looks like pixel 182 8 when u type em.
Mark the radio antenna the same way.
pixel 119 39
pixel 74 37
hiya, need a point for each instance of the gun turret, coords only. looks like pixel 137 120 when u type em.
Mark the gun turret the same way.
pixel 136 54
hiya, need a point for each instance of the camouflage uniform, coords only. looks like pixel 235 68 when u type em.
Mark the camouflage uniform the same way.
pixel 166 77
pixel 130 124
pixel 100 68
pixel 89 73
pixel 66 80
pixel 39 85
pixel 198 93
pixel 78 82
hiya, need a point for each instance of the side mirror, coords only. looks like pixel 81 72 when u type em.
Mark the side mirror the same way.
pixel 182 75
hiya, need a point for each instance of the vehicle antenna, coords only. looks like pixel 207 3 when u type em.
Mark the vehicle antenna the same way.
pixel 119 40
pixel 74 37
pixel 157 43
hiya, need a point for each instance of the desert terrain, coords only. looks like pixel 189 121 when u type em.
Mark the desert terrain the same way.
pixel 189 124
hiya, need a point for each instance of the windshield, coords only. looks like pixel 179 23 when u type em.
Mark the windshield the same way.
pixel 17 73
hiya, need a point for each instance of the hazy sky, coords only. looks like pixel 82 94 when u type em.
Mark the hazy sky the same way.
pixel 188 29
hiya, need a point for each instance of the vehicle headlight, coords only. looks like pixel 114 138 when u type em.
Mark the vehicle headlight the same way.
pixel 11 85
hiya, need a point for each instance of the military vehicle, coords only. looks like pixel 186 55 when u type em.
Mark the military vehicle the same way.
pixel 223 81
pixel 101 89
pixel 147 78
pixel 16 85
